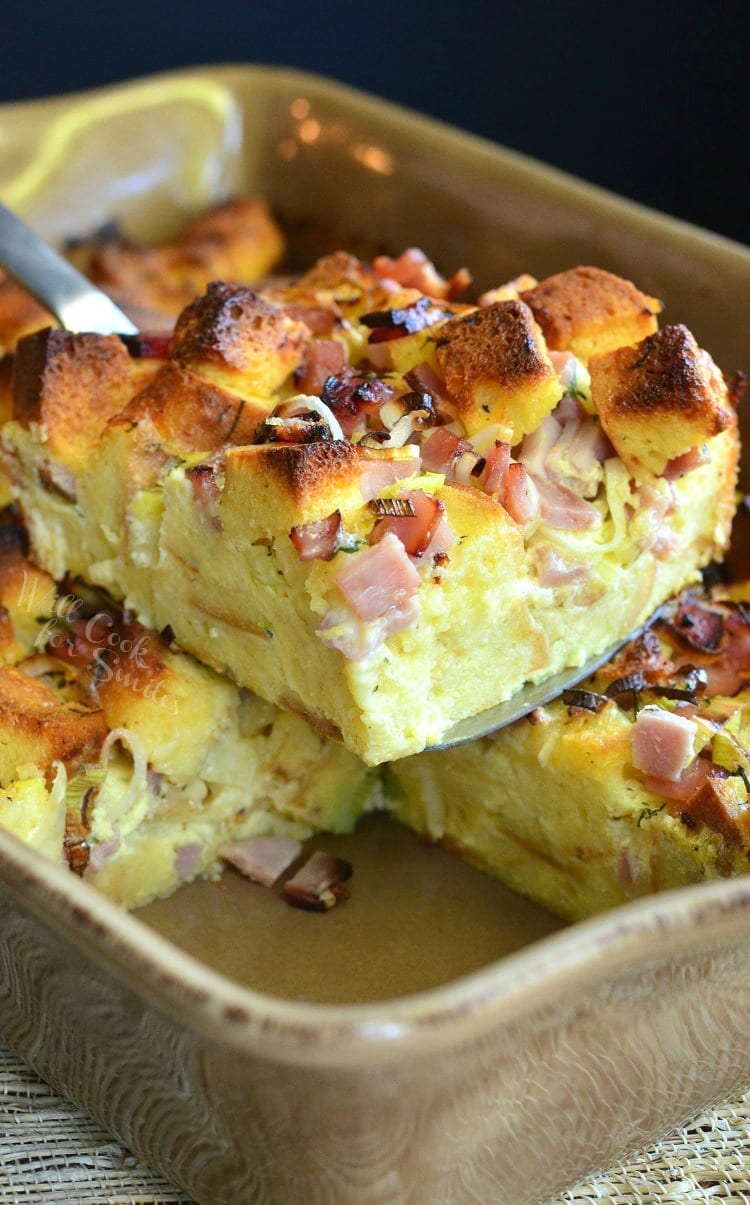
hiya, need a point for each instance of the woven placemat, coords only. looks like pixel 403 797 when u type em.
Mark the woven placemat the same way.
pixel 51 1152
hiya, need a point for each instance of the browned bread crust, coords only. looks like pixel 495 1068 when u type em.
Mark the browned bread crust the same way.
pixel 238 339
pixel 71 385
pixel 38 728
pixel 491 358
pixel 587 310
pixel 659 398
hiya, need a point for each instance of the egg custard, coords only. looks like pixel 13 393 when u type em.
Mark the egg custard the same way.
pixel 133 763
pixel 633 783
pixel 374 506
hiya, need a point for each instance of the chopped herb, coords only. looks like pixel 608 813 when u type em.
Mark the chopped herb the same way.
pixel 648 812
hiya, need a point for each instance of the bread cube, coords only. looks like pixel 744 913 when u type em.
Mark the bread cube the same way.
pixel 588 310
pixel 496 366
pixel 658 399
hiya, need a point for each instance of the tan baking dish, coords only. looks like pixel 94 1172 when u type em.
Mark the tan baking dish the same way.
pixel 500 1082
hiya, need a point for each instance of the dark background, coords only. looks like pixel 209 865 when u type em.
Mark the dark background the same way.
pixel 647 99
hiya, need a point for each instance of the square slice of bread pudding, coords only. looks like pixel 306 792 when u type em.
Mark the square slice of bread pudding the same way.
pixel 375 506
pixel 136 765
pixel 634 782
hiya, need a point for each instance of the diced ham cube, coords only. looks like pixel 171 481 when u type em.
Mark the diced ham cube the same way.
pixel 662 743
pixel 262 859
pixel 378 578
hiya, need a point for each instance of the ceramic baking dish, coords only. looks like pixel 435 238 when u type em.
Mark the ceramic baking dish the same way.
pixel 435 1039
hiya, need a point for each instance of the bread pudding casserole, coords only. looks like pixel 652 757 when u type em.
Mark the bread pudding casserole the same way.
pixel 380 510
pixel 375 506
pixel 635 782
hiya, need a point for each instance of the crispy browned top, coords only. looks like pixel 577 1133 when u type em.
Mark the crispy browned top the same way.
pixel 229 324
pixel 304 471
pixel 73 384
pixel 500 343
pixel 228 228
pixel 191 414
pixel 333 270
pixel 665 374
pixel 39 727
pixel 565 302
pixel 237 241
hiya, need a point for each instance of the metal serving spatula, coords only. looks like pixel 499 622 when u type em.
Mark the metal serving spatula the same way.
pixel 532 696
pixel 80 306
pixel 57 285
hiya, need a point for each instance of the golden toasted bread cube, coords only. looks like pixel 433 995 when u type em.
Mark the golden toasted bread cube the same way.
pixel 286 484
pixel 658 399
pixel 341 276
pixel 38 728
pixel 496 366
pixel 70 386
pixel 238 241
pixel 183 413
pixel 237 340
pixel 588 310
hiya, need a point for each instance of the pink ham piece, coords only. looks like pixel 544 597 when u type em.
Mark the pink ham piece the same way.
pixel 520 499
pixel 319 883
pixel 576 457
pixel 377 472
pixel 493 477
pixel 100 852
pixel 415 531
pixel 205 487
pixel 262 859
pixel 564 364
pixel 562 509
pixel 378 579
pixel 680 789
pixel 186 859
pixel 534 448
pixel 553 569
pixel 319 540
pixel 414 270
pixel 322 359
pixel 423 379
pixel 341 629
pixel 678 466
pixel 662 743
pixel 441 451
pixel 316 318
